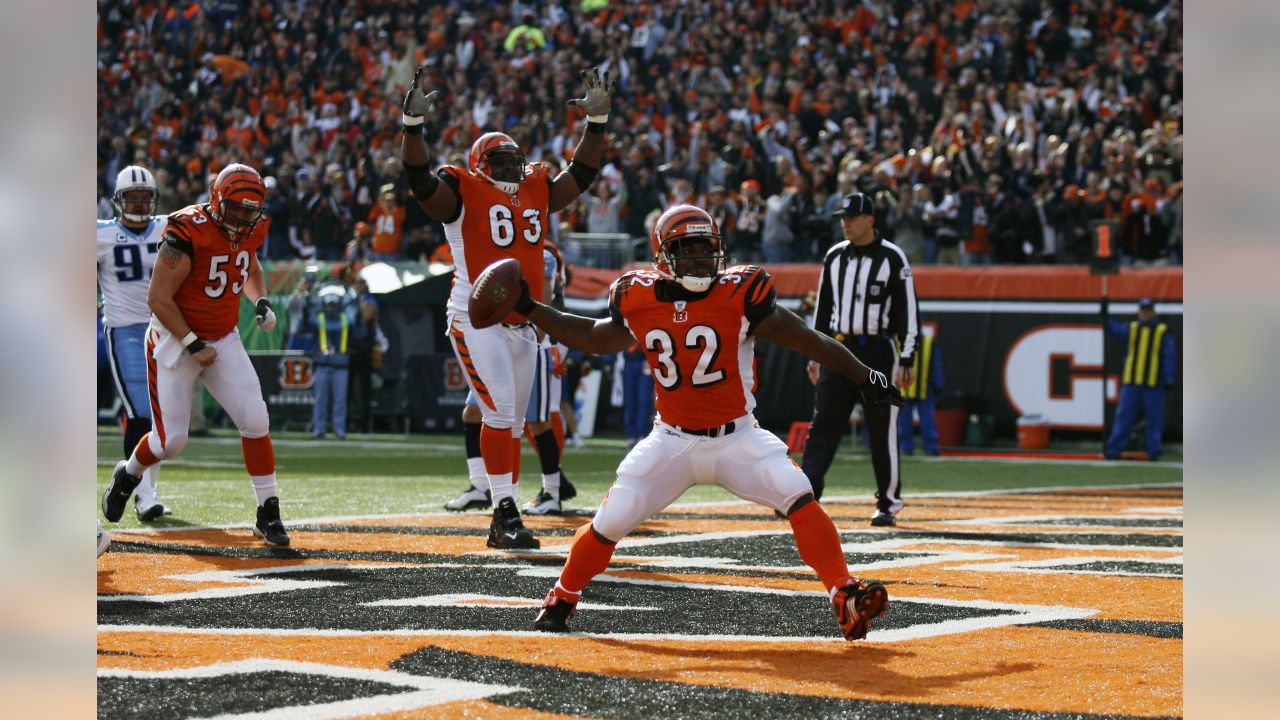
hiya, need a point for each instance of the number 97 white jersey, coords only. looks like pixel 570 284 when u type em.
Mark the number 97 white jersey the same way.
pixel 125 261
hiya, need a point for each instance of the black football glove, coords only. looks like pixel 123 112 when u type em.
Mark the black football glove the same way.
pixel 599 97
pixel 417 103
pixel 526 303
pixel 877 389
pixel 264 316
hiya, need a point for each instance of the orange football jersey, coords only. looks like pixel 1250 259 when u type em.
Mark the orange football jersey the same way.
pixel 700 347
pixel 210 296
pixel 492 225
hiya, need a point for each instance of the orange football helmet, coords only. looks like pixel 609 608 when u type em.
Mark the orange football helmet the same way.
pixel 236 201
pixel 676 255
pixel 498 159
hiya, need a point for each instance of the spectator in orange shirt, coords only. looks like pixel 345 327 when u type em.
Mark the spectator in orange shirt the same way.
pixel 387 219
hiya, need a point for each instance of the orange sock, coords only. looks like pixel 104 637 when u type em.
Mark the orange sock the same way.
pixel 515 460
pixel 557 427
pixel 259 455
pixel 143 451
pixel 819 544
pixel 495 448
pixel 588 557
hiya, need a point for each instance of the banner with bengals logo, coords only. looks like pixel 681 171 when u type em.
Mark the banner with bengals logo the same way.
pixel 1014 341
pixel 287 379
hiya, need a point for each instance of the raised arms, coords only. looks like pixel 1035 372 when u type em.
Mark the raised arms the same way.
pixel 590 151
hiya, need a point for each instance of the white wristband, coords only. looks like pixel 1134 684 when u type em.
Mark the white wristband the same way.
pixel 411 120
pixel 188 339
pixel 597 118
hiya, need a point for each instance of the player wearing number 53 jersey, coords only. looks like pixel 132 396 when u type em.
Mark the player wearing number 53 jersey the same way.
pixel 207 261
pixel 697 323
pixel 495 208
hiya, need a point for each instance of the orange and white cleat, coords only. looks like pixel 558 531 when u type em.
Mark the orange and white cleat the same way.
pixel 857 603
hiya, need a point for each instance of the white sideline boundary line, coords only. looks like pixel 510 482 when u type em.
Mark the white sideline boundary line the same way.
pixel 676 507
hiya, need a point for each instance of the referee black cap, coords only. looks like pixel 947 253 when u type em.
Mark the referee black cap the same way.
pixel 855 204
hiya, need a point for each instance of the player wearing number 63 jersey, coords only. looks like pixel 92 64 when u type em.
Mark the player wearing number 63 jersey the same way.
pixel 495 208
pixel 697 323
pixel 127 247
pixel 207 261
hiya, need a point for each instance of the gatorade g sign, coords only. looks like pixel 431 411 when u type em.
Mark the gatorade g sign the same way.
pixel 1055 371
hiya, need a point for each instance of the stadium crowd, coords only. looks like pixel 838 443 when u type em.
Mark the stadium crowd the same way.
pixel 987 131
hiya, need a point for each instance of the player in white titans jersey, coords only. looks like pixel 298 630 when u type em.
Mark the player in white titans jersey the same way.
pixel 127 248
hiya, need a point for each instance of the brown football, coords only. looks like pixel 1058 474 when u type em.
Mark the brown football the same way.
pixel 495 293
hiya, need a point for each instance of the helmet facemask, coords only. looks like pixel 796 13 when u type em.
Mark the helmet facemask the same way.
pixel 135 204
pixel 693 260
pixel 135 198
pixel 504 167
pixel 237 219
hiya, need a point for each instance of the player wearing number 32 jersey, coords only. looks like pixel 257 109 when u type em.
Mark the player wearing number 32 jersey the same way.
pixel 207 261
pixel 697 323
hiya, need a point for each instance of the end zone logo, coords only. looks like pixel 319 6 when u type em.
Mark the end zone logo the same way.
pixel 295 373
pixel 1055 371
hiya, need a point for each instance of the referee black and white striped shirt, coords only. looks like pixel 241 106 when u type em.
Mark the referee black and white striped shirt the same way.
pixel 868 291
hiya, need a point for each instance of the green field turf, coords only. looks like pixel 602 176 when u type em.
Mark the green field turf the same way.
pixel 391 474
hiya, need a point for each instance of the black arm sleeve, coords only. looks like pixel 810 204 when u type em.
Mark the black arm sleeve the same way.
pixel 178 243
pixel 422 182
pixel 582 174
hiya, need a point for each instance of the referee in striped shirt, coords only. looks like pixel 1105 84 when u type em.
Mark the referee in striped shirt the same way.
pixel 866 300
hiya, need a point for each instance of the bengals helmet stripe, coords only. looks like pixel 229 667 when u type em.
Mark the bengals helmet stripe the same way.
pixel 238 187
pixel 678 222
pixel 489 145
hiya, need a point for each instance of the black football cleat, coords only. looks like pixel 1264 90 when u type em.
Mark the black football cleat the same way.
pixel 269 527
pixel 567 490
pixel 507 530
pixel 883 518
pixel 118 491
pixel 857 604
pixel 555 614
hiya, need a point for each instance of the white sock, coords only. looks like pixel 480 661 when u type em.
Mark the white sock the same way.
pixel 500 486
pixel 133 467
pixel 475 470
pixel 264 486
pixel 551 483
pixel 147 488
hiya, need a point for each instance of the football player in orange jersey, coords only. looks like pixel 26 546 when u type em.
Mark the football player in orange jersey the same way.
pixel 208 259
pixel 499 207
pixel 697 323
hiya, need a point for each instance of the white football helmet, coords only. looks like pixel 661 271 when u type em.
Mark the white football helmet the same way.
pixel 135 177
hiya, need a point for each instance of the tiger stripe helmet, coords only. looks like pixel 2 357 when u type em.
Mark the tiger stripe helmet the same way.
pixel 682 222
pixel 236 201
pixel 497 158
